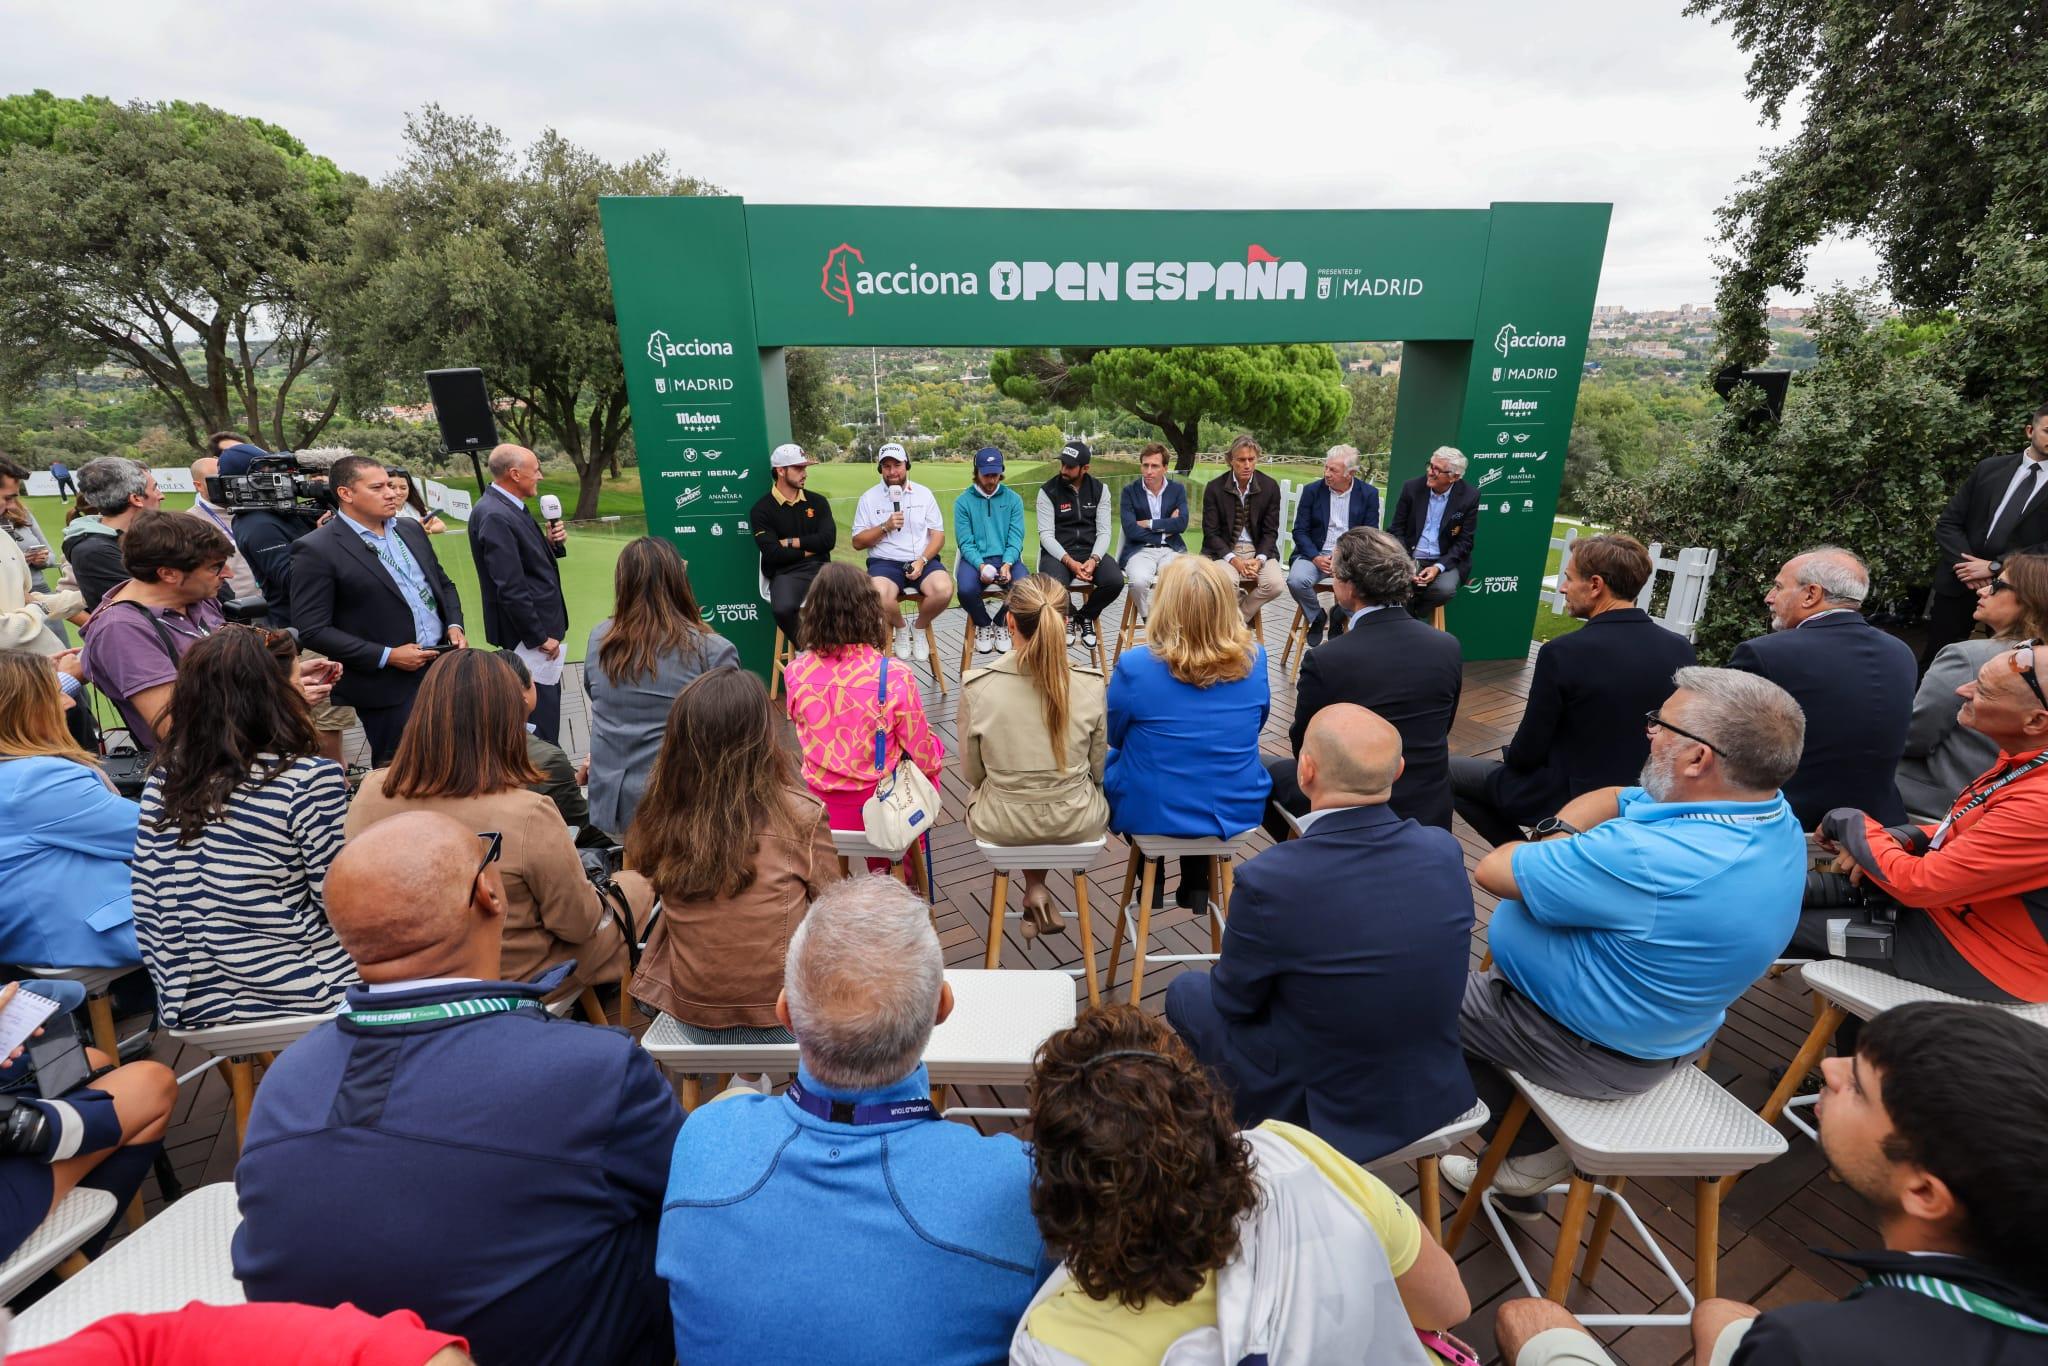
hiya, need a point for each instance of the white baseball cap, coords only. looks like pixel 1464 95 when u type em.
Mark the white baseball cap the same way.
pixel 892 451
pixel 788 455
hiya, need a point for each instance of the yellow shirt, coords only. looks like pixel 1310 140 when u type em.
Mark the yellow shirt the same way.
pixel 776 490
pixel 1105 1333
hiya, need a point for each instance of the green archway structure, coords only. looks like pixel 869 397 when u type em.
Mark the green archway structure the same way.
pixel 1493 306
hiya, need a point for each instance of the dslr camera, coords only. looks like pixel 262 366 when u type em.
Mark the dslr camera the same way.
pixel 274 483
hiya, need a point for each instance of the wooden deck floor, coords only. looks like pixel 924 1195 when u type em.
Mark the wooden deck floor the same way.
pixel 1773 1218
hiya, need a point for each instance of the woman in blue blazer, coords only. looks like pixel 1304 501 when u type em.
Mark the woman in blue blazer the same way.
pixel 1184 719
pixel 65 835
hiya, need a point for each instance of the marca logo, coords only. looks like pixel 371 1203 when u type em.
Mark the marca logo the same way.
pixel 1509 339
pixel 660 348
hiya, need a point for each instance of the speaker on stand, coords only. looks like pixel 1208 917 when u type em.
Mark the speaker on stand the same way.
pixel 462 405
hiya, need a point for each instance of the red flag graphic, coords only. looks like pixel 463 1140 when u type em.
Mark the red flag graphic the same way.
pixel 1256 253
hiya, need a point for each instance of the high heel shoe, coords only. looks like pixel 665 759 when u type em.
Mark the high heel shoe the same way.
pixel 1038 908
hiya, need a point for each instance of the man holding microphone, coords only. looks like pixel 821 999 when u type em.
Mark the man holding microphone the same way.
pixel 524 610
pixel 897 524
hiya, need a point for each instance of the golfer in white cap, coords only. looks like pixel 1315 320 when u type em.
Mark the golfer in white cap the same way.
pixel 794 531
pixel 897 524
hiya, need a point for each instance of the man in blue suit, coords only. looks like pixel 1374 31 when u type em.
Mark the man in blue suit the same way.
pixel 1854 682
pixel 1328 509
pixel 524 610
pixel 1154 513
pixel 1335 1003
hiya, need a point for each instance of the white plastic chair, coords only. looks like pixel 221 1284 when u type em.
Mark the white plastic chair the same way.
pixel 71 1225
pixel 241 1045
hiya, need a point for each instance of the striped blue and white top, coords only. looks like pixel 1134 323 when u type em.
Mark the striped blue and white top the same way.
pixel 232 926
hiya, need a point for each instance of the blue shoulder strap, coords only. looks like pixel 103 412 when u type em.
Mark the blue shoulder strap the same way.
pixel 881 733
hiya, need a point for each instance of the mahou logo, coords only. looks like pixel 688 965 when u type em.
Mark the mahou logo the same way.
pixel 835 281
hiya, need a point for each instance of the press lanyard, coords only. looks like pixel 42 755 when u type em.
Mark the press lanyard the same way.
pixel 1941 831
pixel 417 581
pixel 1969 1301
pixel 447 1010
pixel 868 1112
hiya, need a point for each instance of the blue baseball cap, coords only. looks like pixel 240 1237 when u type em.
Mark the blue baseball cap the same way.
pixel 68 995
pixel 988 460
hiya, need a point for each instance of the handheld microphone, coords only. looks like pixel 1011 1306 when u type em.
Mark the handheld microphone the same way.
pixel 551 512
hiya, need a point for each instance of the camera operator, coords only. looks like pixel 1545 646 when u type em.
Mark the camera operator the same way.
pixel 265 536
pixel 1971 894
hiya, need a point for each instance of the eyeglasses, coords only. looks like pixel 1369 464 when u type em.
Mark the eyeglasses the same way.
pixel 1998 586
pixel 1653 721
pixel 491 853
pixel 2023 665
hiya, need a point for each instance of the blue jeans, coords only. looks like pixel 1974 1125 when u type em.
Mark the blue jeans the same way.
pixel 967 579
pixel 1302 577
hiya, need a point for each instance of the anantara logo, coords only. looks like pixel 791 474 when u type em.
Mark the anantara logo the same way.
pixel 1509 339
pixel 835 281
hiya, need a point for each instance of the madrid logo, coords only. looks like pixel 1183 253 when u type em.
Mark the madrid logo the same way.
pixel 1510 339
pixel 836 283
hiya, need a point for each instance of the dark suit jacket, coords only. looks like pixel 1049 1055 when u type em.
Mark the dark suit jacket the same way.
pixel 1410 674
pixel 1454 534
pixel 1583 726
pixel 1133 507
pixel 1965 523
pixel 1855 684
pixel 1312 515
pixel 1261 510
pixel 517 575
pixel 1343 963
pixel 348 608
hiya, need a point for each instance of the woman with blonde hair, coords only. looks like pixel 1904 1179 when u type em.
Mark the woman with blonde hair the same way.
pixel 1035 736
pixel 1184 719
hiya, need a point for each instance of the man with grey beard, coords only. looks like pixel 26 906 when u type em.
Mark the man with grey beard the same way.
pixel 1632 919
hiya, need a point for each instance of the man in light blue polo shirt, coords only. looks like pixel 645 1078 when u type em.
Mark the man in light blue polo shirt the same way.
pixel 1635 916
pixel 844 1220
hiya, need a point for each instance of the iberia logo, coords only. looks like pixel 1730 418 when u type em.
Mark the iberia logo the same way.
pixel 834 281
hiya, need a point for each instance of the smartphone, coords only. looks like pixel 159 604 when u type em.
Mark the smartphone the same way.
pixel 58 1057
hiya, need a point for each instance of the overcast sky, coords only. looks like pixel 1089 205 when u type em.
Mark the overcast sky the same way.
pixel 1274 103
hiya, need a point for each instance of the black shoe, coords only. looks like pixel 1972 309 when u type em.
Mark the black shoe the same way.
pixel 1194 899
pixel 1315 632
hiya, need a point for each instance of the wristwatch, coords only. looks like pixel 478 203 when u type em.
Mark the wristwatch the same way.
pixel 1552 825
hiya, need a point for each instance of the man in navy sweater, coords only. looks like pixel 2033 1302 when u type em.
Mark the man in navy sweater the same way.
pixel 446 1145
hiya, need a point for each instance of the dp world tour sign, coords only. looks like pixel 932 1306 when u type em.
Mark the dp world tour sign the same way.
pixel 1493 305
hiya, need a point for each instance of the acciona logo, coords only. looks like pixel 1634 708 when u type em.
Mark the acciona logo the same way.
pixel 843 283
pixel 660 349
pixel 1509 339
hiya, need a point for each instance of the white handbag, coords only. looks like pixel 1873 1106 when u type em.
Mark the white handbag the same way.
pixel 904 803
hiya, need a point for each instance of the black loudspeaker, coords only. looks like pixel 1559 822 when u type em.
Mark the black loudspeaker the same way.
pixel 463 408
pixel 1772 382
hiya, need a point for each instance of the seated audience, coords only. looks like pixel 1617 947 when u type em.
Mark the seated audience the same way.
pixel 65 834
pixel 102 1133
pixel 31 617
pixel 846 1209
pixel 1241 529
pixel 1154 514
pixel 988 523
pixel 1335 1003
pixel 1941 754
pixel 557 775
pixel 464 755
pixel 111 491
pixel 236 1334
pixel 1631 919
pixel 1940 1123
pixel 735 848
pixel 642 655
pixel 1854 682
pixel 1217 1247
pixel 1034 735
pixel 1582 727
pixel 1968 898
pixel 240 820
pixel 446 1146
pixel 1184 719
pixel 1436 520
pixel 142 628
pixel 834 690
pixel 1386 661
pixel 1328 508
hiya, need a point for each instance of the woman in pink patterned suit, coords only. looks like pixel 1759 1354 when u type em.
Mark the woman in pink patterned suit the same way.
pixel 834 698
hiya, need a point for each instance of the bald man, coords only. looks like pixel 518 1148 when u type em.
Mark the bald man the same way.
pixel 515 559
pixel 1335 1003
pixel 446 1145
pixel 241 579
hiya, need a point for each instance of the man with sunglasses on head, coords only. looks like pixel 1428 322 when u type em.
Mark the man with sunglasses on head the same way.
pixel 1631 920
pixel 1971 892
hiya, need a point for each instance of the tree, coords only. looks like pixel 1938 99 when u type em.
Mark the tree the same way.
pixel 173 239
pixel 1370 427
pixel 1292 393
pixel 1612 433
pixel 470 255
pixel 811 400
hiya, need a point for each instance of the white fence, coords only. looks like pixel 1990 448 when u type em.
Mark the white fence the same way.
pixel 1690 573
pixel 452 502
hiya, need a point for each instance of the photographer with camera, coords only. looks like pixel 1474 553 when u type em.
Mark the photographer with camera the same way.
pixel 1961 906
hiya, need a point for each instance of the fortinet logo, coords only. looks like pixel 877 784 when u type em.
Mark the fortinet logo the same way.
pixel 1508 339
pixel 660 348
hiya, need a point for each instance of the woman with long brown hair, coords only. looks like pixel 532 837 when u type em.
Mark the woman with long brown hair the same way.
pixel 65 834
pixel 736 849
pixel 239 822
pixel 463 754
pixel 1034 735
pixel 1179 1233
pixel 640 657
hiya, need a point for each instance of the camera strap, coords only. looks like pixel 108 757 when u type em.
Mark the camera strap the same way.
pixel 871 1112
pixel 2011 776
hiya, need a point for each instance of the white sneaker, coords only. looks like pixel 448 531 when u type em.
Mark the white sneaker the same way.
pixel 984 640
pixel 1088 636
pixel 1003 644
pixel 903 643
pixel 919 646
pixel 1518 1176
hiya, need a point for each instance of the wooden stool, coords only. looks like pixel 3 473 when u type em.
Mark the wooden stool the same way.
pixel 1072 858
pixel 1436 617
pixel 99 1001
pixel 931 641
pixel 1085 591
pixel 1296 644
pixel 993 598
pixel 1427 1153
pixel 244 1047
pixel 1130 630
pixel 785 650
pixel 1139 872
pixel 853 844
